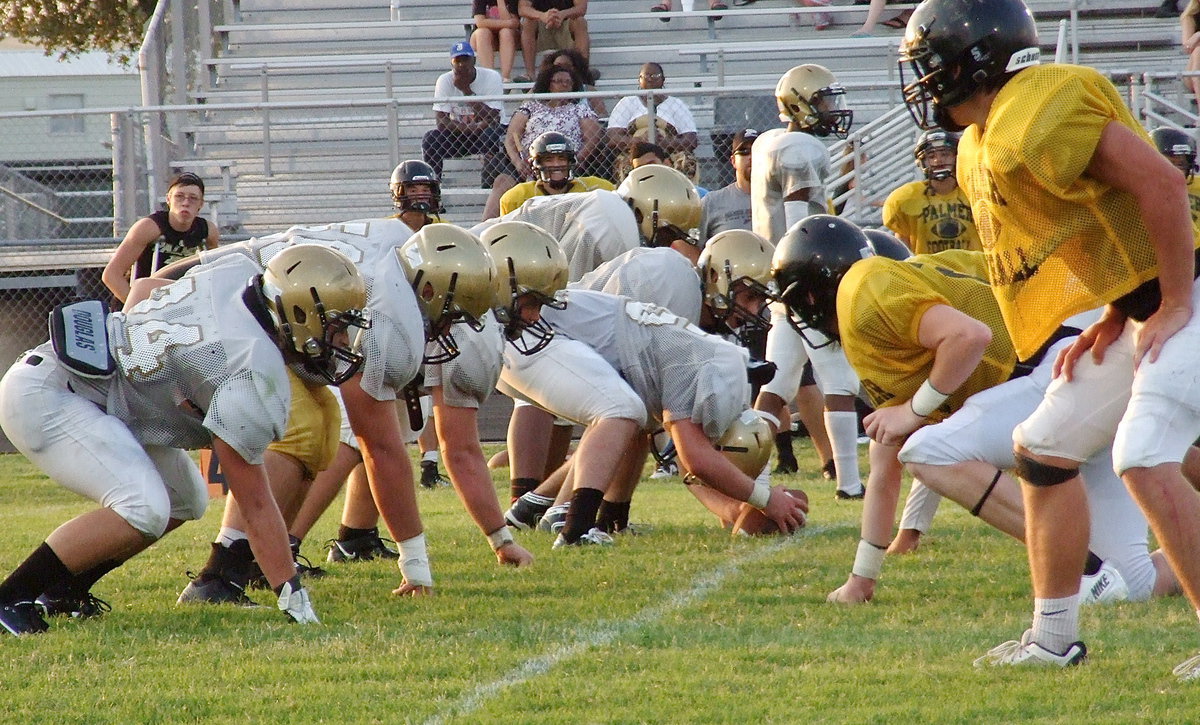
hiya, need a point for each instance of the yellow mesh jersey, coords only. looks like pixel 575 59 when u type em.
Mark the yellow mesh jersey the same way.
pixel 1194 203
pixel 1057 241
pixel 526 190
pixel 880 303
pixel 930 222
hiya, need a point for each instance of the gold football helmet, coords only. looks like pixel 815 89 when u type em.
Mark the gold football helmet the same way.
pixel 811 97
pixel 733 261
pixel 664 202
pixel 452 275
pixel 314 295
pixel 747 443
pixel 528 262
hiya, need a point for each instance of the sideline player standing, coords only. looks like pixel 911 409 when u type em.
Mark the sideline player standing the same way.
pixel 932 215
pixel 1076 209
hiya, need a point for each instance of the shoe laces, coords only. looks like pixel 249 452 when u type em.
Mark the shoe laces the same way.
pixel 90 605
pixel 1004 653
pixel 1189 669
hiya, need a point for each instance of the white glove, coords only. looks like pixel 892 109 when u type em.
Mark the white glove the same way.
pixel 294 602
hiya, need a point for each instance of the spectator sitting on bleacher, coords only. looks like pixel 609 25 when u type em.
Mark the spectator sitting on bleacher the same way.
pixel 573 59
pixel 496 27
pixel 553 160
pixel 466 126
pixel 729 207
pixel 577 121
pixel 163 237
pixel 679 131
pixel 551 25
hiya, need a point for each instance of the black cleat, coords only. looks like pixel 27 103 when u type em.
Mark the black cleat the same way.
pixel 527 511
pixel 431 477
pixel 843 496
pixel 829 471
pixel 363 548
pixel 84 606
pixel 784 468
pixel 21 618
pixel 304 567
pixel 214 589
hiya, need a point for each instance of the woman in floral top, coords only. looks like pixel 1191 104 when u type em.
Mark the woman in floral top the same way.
pixel 576 121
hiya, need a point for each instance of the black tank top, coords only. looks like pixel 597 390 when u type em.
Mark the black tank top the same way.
pixel 172 245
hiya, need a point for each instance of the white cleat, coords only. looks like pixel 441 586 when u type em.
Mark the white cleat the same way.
pixel 1028 653
pixel 1104 587
pixel 594 537
pixel 1188 670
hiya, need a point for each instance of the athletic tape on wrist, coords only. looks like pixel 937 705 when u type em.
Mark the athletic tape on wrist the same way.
pixel 500 537
pixel 868 560
pixel 927 399
pixel 760 495
pixel 414 561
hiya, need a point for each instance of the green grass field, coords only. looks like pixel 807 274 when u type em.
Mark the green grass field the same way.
pixel 680 625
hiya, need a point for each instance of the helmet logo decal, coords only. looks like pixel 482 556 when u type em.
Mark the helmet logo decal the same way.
pixel 1023 59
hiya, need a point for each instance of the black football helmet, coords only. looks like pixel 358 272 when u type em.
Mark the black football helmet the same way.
pixel 885 244
pixel 810 260
pixel 1178 146
pixel 414 171
pixel 552 143
pixel 935 138
pixel 954 48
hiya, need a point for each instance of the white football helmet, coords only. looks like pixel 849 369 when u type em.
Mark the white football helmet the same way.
pixel 664 202
pixel 811 97
pixel 735 260
pixel 528 262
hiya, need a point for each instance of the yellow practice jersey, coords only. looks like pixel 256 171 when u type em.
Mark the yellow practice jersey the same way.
pixel 519 194
pixel 880 303
pixel 929 222
pixel 1058 242
pixel 1194 203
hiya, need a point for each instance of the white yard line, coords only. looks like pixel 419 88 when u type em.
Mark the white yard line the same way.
pixel 601 635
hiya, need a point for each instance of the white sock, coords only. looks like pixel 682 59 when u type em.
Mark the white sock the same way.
pixel 226 536
pixel 842 426
pixel 430 456
pixel 1056 622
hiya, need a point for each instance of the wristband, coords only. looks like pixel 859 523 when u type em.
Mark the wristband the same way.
pixel 927 400
pixel 760 495
pixel 414 561
pixel 868 560
pixel 500 537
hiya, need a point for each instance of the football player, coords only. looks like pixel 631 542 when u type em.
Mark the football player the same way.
pixel 634 366
pixel 202 362
pixel 789 174
pixel 552 158
pixel 1076 209
pixel 416 194
pixel 1180 148
pixel 932 215
pixel 932 320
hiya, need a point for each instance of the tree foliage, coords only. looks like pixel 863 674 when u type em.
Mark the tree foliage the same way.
pixel 71 27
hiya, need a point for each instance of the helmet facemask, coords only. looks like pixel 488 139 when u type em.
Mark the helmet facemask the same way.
pixel 312 334
pixel 438 327
pixel 931 142
pixel 410 173
pixel 813 310
pixel 526 337
pixel 545 174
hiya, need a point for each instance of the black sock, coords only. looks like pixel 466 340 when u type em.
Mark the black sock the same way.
pixel 1092 565
pixel 40 570
pixel 518 487
pixel 783 447
pixel 81 583
pixel 234 563
pixel 613 516
pixel 345 533
pixel 581 517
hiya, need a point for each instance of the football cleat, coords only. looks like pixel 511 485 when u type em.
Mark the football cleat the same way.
pixel 212 589
pixel 594 537
pixel 304 567
pixel 295 602
pixel 555 519
pixel 846 496
pixel 527 511
pixel 1104 587
pixel 1028 653
pixel 784 467
pixel 1188 670
pixel 669 470
pixel 83 606
pixel 21 618
pixel 363 548
pixel 431 477
pixel 829 471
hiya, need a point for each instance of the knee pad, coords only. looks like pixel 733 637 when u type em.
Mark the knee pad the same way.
pixel 1041 474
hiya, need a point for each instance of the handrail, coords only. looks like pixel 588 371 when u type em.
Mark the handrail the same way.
pixel 150 63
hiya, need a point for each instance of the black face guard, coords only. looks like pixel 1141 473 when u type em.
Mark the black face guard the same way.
pixel 325 358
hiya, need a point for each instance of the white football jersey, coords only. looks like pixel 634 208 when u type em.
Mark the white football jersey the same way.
pixel 469 379
pixel 660 276
pixel 394 344
pixel 678 370
pixel 783 163
pixel 592 227
pixel 193 362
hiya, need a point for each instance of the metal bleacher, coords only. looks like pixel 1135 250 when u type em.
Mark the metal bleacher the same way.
pixel 311 102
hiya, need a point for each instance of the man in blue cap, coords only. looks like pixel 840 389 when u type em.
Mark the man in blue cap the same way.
pixel 466 126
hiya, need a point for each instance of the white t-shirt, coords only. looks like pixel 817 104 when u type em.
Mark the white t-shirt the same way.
pixel 487 83
pixel 785 162
pixel 670 109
